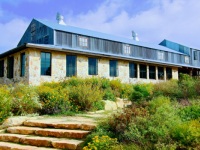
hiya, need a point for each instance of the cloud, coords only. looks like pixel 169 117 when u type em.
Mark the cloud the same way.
pixel 176 20
pixel 11 33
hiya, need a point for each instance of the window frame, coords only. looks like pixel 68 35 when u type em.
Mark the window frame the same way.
pixel 195 57
pixel 160 55
pixel 92 62
pixel 71 64
pixel 161 77
pixel 83 41
pixel 152 74
pixel 143 73
pixel 10 67
pixel 47 63
pixel 2 68
pixel 113 68
pixel 132 70
pixel 22 64
pixel 126 49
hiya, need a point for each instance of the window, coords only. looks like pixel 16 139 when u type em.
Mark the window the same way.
pixel 1 68
pixel 169 73
pixel 160 55
pixel 92 66
pixel 10 67
pixel 127 49
pixel 143 71
pixel 113 68
pixel 132 70
pixel 187 60
pixel 23 64
pixel 46 63
pixel 46 39
pixel 152 72
pixel 160 73
pixel 83 41
pixel 195 55
pixel 71 65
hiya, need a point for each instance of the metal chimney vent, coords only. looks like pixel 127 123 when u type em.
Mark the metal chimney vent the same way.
pixel 135 36
pixel 60 19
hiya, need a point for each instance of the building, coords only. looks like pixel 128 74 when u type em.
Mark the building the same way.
pixel 55 51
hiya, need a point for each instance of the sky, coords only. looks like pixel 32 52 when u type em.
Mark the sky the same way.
pixel 152 20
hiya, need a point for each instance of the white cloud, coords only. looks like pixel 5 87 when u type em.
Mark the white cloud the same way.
pixel 176 20
pixel 11 33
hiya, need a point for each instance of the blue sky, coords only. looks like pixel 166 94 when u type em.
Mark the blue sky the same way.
pixel 153 20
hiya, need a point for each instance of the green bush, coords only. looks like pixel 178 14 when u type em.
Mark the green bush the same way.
pixel 116 87
pixel 84 96
pixel 108 95
pixel 141 92
pixel 101 143
pixel 53 100
pixel 25 100
pixel 5 103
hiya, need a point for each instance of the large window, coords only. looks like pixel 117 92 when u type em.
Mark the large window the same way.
pixel 46 63
pixel 71 65
pixel 152 72
pixel 132 70
pixel 1 68
pixel 83 41
pixel 10 67
pixel 113 68
pixel 92 66
pixel 143 71
pixel 169 73
pixel 23 64
pixel 160 73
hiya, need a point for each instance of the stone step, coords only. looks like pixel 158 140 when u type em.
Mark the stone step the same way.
pixel 60 133
pixel 14 146
pixel 63 125
pixel 61 143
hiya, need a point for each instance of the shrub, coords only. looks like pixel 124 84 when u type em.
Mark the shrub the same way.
pixel 84 96
pixel 169 88
pixel 25 100
pixel 126 91
pixel 99 105
pixel 108 95
pixel 54 100
pixel 116 87
pixel 105 83
pixel 5 103
pixel 141 92
pixel 101 143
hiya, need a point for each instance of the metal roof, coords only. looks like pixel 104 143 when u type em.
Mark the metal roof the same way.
pixel 100 35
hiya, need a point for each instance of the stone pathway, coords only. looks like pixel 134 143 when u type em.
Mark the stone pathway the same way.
pixel 43 133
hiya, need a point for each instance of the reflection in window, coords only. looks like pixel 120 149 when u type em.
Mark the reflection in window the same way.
pixel 113 68
pixel 46 63
pixel 92 66
pixel 160 73
pixel 10 67
pixel 152 72
pixel 169 73
pixel 127 49
pixel 160 55
pixel 71 66
pixel 132 70
pixel 143 71
pixel 187 60
pixel 23 62
pixel 1 68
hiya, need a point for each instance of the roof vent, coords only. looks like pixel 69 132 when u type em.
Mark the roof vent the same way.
pixel 60 19
pixel 135 36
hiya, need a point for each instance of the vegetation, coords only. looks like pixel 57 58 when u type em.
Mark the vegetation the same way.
pixel 165 115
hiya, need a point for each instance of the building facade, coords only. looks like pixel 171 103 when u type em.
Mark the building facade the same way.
pixel 53 52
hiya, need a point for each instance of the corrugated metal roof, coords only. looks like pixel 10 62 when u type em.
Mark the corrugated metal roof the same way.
pixel 100 35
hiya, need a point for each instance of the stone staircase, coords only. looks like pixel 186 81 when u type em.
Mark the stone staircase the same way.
pixel 44 134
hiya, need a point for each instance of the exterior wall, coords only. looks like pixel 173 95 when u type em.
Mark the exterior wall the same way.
pixel 58 68
pixel 17 69
pixel 175 73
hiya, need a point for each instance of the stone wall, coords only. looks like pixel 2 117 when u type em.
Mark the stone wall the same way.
pixel 58 70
